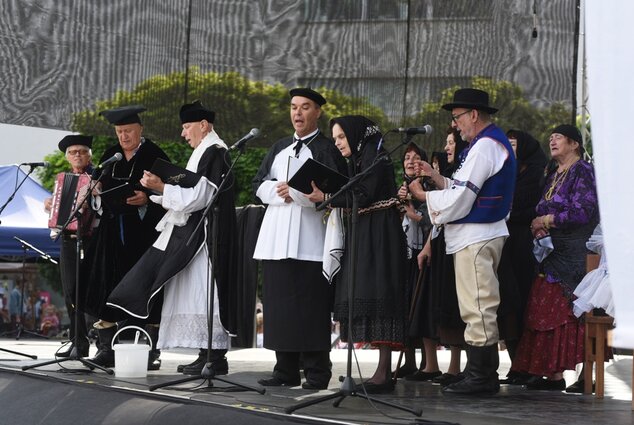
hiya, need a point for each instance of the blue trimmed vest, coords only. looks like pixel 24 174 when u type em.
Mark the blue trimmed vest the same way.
pixel 493 201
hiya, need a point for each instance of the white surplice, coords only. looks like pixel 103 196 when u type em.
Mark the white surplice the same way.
pixel 185 304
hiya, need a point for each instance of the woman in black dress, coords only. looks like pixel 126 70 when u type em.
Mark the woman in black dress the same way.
pixel 379 304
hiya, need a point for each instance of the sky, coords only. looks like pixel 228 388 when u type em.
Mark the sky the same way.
pixel 20 144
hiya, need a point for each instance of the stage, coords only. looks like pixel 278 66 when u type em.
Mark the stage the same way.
pixel 48 395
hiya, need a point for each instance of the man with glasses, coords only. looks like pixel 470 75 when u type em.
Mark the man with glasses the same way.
pixel 472 206
pixel 126 229
pixel 78 153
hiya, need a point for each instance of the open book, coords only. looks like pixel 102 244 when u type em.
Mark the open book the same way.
pixel 326 179
pixel 173 174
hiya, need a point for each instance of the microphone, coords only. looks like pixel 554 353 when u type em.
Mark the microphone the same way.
pixel 114 158
pixel 250 135
pixel 426 129
pixel 36 164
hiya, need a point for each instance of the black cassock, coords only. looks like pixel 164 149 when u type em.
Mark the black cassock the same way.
pixel 122 236
pixel 142 286
pixel 296 296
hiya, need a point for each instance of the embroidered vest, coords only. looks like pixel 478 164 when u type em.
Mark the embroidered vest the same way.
pixel 493 201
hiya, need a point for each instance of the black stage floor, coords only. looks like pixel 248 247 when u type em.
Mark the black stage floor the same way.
pixel 48 395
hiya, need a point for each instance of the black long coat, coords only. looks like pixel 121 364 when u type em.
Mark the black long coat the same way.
pixel 122 236
pixel 140 287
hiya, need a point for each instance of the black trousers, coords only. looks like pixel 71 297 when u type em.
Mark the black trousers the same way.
pixel 68 262
pixel 316 366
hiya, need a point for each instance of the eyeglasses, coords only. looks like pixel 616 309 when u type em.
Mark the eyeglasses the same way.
pixel 123 179
pixel 74 152
pixel 454 118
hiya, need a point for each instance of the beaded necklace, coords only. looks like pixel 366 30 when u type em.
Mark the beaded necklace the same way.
pixel 557 182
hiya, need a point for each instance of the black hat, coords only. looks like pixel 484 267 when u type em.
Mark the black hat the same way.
pixel 124 115
pixel 193 112
pixel 74 139
pixel 570 131
pixel 308 93
pixel 470 98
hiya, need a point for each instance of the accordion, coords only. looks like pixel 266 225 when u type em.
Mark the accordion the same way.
pixel 70 189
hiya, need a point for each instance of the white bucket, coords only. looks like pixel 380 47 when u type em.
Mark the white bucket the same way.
pixel 130 360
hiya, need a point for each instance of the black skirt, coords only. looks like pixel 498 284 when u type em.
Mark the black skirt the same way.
pixel 296 304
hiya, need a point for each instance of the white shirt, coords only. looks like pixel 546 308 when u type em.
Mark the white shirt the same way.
pixel 180 202
pixel 484 160
pixel 289 230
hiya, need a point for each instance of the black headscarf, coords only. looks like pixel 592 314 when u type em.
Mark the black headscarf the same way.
pixel 460 146
pixel 361 133
pixel 529 151
pixel 441 157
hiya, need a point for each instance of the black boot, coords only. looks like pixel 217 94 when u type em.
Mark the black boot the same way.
pixel 219 364
pixel 154 362
pixel 105 353
pixel 481 375
pixel 202 356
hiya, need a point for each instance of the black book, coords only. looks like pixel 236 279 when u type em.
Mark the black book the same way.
pixel 115 198
pixel 173 174
pixel 326 179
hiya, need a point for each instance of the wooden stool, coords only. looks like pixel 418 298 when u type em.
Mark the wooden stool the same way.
pixel 597 328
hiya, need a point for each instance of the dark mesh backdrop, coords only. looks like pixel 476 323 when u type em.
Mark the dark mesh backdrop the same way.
pixel 58 57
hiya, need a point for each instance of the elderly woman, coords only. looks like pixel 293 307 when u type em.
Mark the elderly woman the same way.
pixel 437 315
pixel 416 225
pixel 567 213
pixel 517 268
pixel 379 305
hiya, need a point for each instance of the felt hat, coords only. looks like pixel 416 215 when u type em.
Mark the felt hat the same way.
pixel 74 139
pixel 309 93
pixel 471 99
pixel 196 111
pixel 124 115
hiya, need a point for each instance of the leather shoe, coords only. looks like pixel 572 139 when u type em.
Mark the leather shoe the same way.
pixel 473 386
pixel 577 387
pixel 423 376
pixel 447 379
pixel 547 385
pixel 373 388
pixel 104 358
pixel 277 382
pixel 404 371
pixel 81 351
pixel 314 386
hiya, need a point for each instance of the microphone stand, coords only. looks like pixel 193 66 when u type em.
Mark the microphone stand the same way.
pixel 348 387
pixel 208 374
pixel 74 354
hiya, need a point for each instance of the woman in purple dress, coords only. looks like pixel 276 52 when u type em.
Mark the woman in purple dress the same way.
pixel 567 214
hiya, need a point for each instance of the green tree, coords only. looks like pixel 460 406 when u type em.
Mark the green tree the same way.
pixel 236 101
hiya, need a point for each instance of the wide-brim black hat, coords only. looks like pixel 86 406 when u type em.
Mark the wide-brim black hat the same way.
pixel 308 93
pixel 196 111
pixel 471 99
pixel 124 115
pixel 74 139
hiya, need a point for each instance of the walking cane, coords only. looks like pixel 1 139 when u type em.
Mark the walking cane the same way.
pixel 412 308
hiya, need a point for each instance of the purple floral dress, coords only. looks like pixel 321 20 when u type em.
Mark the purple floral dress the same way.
pixel 553 339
